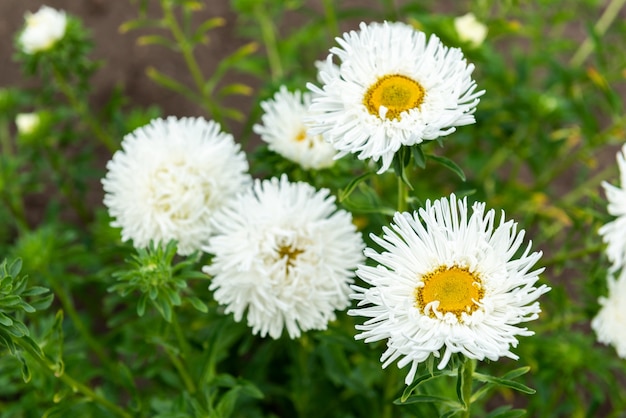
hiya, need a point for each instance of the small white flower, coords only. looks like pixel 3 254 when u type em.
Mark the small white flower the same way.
pixel 169 179
pixel 27 123
pixel 447 282
pixel 392 87
pixel 286 254
pixel 614 232
pixel 470 30
pixel 286 134
pixel 610 322
pixel 43 29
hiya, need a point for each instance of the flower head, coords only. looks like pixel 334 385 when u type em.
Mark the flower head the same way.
pixel 169 179
pixel 610 322
pixel 613 232
pixel 43 29
pixel 470 30
pixel 27 123
pixel 448 282
pixel 285 131
pixel 393 87
pixel 286 254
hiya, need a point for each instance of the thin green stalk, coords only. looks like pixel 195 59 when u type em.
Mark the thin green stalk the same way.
pixel 268 33
pixel 81 108
pixel 69 192
pixel 186 49
pixel 403 194
pixel 182 371
pixel 390 9
pixel 15 201
pixel 331 18
pixel 601 26
pixel 467 374
pixel 68 307
pixel 184 348
pixel 74 384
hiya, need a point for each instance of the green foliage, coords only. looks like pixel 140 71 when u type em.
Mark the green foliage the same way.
pixel 152 274
pixel 144 337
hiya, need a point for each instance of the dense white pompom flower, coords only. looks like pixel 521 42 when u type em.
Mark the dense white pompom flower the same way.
pixel 392 87
pixel 448 282
pixel 614 232
pixel 285 132
pixel 610 322
pixel 43 29
pixel 169 179
pixel 286 254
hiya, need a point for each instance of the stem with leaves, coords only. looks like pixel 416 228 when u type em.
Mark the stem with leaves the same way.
pixel 76 386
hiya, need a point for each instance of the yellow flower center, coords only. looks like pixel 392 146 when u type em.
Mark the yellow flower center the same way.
pixel 301 135
pixel 456 288
pixel 398 93
pixel 289 253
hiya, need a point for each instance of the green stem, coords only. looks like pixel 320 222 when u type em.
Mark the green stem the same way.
pixel 403 193
pixel 184 354
pixel 467 374
pixel 13 201
pixel 68 307
pixel 600 28
pixel 74 384
pixel 268 34
pixel 186 49
pixel 331 18
pixel 69 192
pixel 81 108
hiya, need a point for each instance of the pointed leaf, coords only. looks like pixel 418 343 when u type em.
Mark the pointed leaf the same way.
pixel 347 191
pixel 504 382
pixel 446 162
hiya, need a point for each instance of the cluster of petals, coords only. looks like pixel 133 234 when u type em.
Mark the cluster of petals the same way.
pixel 446 234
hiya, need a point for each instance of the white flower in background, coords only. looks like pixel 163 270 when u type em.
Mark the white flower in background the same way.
pixel 27 123
pixel 448 282
pixel 610 322
pixel 169 179
pixel 614 232
pixel 284 253
pixel 392 87
pixel 286 134
pixel 43 29
pixel 470 30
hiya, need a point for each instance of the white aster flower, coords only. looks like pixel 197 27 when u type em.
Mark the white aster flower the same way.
pixel 392 87
pixel 614 232
pixel 43 29
pixel 286 134
pixel 286 254
pixel 448 282
pixel 169 179
pixel 470 29
pixel 27 123
pixel 610 322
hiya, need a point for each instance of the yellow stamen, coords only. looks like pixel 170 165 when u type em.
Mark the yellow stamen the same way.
pixel 398 93
pixel 301 136
pixel 290 253
pixel 456 288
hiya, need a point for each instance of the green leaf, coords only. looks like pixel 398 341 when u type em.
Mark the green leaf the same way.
pixel 418 381
pixel 506 412
pixel 429 398
pixel 15 267
pixel 198 304
pixel 459 385
pixel 446 162
pixel 504 382
pixel 26 375
pixel 172 84
pixel 140 24
pixel 347 191
pixel 235 89
pixel 156 40
pixel 418 156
